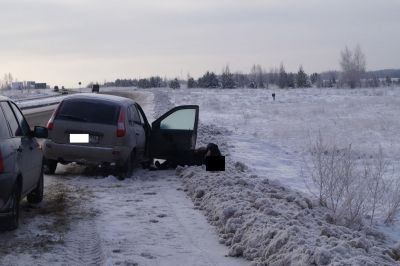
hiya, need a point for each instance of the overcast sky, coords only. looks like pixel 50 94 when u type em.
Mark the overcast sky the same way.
pixel 65 41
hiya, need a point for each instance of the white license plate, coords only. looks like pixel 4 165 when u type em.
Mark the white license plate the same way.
pixel 78 138
pixel 93 139
pixel 83 138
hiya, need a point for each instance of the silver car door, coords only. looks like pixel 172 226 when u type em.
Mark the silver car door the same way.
pixel 140 133
pixel 20 146
pixel 34 153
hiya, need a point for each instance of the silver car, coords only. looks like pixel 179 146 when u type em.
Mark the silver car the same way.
pixel 98 129
pixel 21 163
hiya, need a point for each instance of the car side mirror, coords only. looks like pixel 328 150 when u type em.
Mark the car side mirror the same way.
pixel 40 132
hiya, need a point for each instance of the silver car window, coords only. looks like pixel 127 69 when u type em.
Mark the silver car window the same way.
pixel 21 120
pixel 141 117
pixel 9 114
pixel 180 120
pixel 4 130
pixel 135 115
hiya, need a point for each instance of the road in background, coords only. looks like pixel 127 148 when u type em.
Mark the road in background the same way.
pixel 38 117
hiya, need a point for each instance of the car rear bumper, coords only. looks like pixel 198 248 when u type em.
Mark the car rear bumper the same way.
pixel 93 155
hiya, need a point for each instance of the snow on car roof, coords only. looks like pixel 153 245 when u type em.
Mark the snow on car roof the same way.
pixel 104 97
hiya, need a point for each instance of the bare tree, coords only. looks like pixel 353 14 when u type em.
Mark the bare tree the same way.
pixel 7 80
pixel 353 66
pixel 227 80
pixel 257 77
pixel 391 204
pixel 351 188
pixel 283 77
pixel 375 171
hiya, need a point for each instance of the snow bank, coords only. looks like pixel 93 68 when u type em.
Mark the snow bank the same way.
pixel 270 224
pixel 20 95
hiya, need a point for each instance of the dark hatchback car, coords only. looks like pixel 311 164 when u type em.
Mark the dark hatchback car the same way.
pixel 21 163
pixel 98 129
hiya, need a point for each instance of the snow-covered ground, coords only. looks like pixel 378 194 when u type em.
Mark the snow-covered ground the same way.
pixel 89 217
pixel 259 207
pixel 270 139
pixel 33 97
pixel 21 95
pixel 272 136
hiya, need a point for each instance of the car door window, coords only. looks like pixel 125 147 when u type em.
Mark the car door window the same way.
pixel 4 130
pixel 134 114
pixel 130 116
pixel 141 117
pixel 21 120
pixel 181 120
pixel 9 114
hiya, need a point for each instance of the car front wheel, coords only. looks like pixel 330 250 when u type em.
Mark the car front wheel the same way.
pixel 36 195
pixel 12 221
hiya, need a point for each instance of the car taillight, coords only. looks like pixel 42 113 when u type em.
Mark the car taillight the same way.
pixel 1 163
pixel 50 124
pixel 121 130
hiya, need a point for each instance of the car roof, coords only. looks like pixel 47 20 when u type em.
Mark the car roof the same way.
pixel 4 98
pixel 102 97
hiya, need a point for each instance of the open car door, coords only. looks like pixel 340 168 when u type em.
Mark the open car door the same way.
pixel 174 134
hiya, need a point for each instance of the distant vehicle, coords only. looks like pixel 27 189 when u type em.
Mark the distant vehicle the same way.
pixel 21 163
pixel 64 90
pixel 56 89
pixel 96 88
pixel 98 129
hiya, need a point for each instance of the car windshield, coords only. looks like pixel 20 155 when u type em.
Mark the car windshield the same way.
pixel 99 112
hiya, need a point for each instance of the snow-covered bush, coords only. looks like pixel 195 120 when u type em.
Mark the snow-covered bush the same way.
pixel 351 186
pixel 391 199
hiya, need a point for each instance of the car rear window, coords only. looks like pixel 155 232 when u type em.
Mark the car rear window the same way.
pixel 99 112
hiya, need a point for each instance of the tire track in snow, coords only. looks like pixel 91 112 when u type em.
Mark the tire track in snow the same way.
pixel 83 244
pixel 173 207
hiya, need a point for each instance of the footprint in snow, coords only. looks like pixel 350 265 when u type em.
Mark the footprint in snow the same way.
pixel 147 255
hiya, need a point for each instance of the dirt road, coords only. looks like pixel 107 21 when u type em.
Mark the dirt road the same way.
pixel 89 217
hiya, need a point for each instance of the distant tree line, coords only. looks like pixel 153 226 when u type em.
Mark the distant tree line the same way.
pixel 152 82
pixel 353 74
pixel 257 78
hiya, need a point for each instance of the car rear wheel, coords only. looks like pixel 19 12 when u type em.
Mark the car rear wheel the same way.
pixel 50 166
pixel 36 195
pixel 12 221
pixel 126 170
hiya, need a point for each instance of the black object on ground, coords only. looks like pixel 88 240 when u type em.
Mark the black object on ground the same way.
pixel 215 163
pixel 195 157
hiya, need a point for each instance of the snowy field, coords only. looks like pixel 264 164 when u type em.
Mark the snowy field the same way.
pixel 269 141
pixel 272 137
pixel 259 209
pixel 21 95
